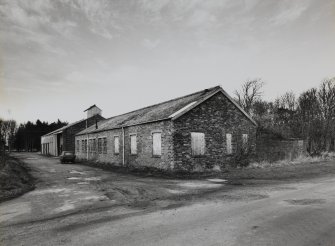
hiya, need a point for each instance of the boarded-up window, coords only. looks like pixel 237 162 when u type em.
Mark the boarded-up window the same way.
pixel 157 144
pixel 229 147
pixel 77 147
pixel 245 139
pixel 100 145
pixel 198 143
pixel 104 146
pixel 116 145
pixel 133 145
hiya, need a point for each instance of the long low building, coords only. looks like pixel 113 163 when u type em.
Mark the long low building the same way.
pixel 195 132
pixel 63 139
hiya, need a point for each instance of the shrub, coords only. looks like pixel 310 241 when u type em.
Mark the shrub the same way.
pixel 242 158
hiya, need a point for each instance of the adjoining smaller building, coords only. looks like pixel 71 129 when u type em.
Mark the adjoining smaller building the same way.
pixel 63 139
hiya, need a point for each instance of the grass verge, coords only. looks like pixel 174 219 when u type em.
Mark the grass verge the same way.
pixel 15 179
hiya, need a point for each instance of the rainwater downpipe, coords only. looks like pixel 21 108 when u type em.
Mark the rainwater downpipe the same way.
pixel 87 147
pixel 86 143
pixel 123 162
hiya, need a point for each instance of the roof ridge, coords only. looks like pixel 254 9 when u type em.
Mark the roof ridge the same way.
pixel 177 98
pixel 198 96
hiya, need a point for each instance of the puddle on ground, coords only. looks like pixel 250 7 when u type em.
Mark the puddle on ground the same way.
pixel 94 198
pixel 197 185
pixel 175 191
pixel 93 179
pixel 306 201
pixel 83 183
pixel 76 172
pixel 66 206
pixel 73 178
pixel 46 191
pixel 217 180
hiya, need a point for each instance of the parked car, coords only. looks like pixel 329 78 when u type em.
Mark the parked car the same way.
pixel 67 156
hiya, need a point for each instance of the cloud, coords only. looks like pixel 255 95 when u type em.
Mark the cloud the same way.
pixel 150 44
pixel 290 13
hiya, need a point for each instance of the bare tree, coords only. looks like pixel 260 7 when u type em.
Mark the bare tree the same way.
pixel 326 96
pixel 287 101
pixel 250 93
pixel 309 117
pixel 3 130
pixel 7 134
pixel 11 133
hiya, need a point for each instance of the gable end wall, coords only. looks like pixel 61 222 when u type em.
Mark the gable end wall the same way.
pixel 215 117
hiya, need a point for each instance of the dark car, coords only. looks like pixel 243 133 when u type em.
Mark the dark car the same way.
pixel 67 156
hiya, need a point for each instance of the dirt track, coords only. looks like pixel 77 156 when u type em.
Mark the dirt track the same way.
pixel 80 205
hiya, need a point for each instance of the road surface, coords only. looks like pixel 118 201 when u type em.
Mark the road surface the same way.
pixel 75 205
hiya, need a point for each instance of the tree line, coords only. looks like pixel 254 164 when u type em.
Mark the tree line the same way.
pixel 309 115
pixel 26 136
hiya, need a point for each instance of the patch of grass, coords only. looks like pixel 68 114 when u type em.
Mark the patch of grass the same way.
pixel 325 156
pixel 15 179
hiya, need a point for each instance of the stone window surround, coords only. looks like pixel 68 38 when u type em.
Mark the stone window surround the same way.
pixel 152 142
pixel 116 136
pixel 102 145
pixel 204 152
pixel 133 134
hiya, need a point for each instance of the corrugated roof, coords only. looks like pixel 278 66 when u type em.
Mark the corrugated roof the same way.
pixel 59 130
pixel 157 112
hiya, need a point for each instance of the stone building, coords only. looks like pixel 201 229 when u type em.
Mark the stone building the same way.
pixel 190 133
pixel 62 139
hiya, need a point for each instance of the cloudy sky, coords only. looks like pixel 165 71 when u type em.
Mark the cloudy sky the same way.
pixel 58 57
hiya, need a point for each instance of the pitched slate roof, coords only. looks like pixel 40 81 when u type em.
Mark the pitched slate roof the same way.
pixel 171 109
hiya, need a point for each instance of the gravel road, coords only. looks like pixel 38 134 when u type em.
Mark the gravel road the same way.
pixel 80 205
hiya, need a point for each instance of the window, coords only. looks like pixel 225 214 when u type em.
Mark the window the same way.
pixel 229 147
pixel 116 145
pixel 90 146
pixel 157 144
pixel 77 147
pixel 245 141
pixel 133 144
pixel 104 146
pixel 94 146
pixel 86 146
pixel 100 145
pixel 83 146
pixel 198 143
